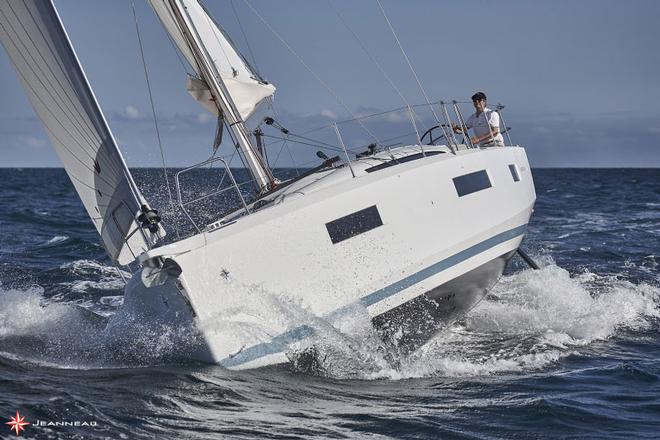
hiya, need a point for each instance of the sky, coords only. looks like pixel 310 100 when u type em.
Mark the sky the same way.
pixel 580 80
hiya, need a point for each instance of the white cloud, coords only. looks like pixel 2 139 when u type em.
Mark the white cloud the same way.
pixel 401 116
pixel 328 114
pixel 204 118
pixel 132 112
pixel 32 141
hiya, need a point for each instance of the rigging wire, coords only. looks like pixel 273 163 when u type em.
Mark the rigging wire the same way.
pixel 178 55
pixel 371 115
pixel 412 69
pixel 284 141
pixel 310 70
pixel 293 162
pixel 271 105
pixel 325 144
pixel 385 112
pixel 316 144
pixel 211 25
pixel 153 112
pixel 376 63
pixel 247 42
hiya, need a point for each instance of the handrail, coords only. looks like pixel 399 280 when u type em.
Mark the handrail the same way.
pixel 466 138
pixel 341 142
pixel 228 172
pixel 453 139
pixel 498 109
pixel 462 125
pixel 206 196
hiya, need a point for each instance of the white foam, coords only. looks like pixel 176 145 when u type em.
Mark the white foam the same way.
pixel 82 286
pixel 531 320
pixel 112 301
pixel 46 334
pixel 537 318
pixel 111 277
pixel 586 307
pixel 63 335
pixel 20 311
pixel 57 239
pixel 87 267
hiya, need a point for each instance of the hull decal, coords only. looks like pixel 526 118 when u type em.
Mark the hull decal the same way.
pixel 280 342
pixel 441 265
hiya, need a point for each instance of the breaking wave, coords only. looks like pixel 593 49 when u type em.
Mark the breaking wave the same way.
pixel 68 335
pixel 57 239
pixel 530 320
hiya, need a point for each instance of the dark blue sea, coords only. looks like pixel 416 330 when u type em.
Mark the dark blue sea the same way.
pixel 568 351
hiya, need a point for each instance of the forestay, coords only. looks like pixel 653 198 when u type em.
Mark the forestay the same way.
pixel 34 38
pixel 246 88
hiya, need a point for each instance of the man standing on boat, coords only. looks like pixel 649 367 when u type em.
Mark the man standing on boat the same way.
pixel 484 122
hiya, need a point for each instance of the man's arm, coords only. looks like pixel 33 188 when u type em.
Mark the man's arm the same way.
pixel 494 131
pixel 459 130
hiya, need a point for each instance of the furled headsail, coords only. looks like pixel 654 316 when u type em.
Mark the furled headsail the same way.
pixel 34 38
pixel 244 85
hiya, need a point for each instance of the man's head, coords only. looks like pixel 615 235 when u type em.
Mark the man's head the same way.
pixel 479 101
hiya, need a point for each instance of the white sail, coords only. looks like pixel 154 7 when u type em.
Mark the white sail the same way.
pixel 34 38
pixel 247 90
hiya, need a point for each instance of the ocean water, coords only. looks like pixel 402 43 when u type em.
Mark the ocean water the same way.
pixel 569 351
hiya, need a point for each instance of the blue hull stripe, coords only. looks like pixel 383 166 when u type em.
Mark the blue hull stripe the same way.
pixel 280 342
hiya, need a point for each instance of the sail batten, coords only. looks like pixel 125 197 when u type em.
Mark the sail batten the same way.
pixel 29 52
pixel 47 66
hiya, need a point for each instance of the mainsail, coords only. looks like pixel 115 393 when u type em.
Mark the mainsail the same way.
pixel 246 88
pixel 34 38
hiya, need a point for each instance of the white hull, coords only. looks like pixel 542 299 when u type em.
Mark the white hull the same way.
pixel 418 250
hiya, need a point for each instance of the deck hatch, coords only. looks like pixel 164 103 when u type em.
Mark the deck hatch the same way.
pixel 354 224
pixel 514 173
pixel 470 183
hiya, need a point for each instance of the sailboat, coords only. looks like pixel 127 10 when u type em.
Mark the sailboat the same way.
pixel 412 236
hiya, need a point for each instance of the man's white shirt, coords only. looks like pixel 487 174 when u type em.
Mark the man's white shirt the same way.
pixel 478 124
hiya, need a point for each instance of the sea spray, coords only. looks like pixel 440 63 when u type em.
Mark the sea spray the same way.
pixel 65 335
pixel 534 318
pixel 531 319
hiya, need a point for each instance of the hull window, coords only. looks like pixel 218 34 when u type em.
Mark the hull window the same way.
pixel 470 183
pixel 354 224
pixel 514 173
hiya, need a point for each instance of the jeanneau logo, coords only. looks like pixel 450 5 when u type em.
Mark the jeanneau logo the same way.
pixel 65 423
pixel 17 423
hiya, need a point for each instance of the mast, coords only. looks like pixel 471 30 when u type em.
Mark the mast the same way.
pixel 208 71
